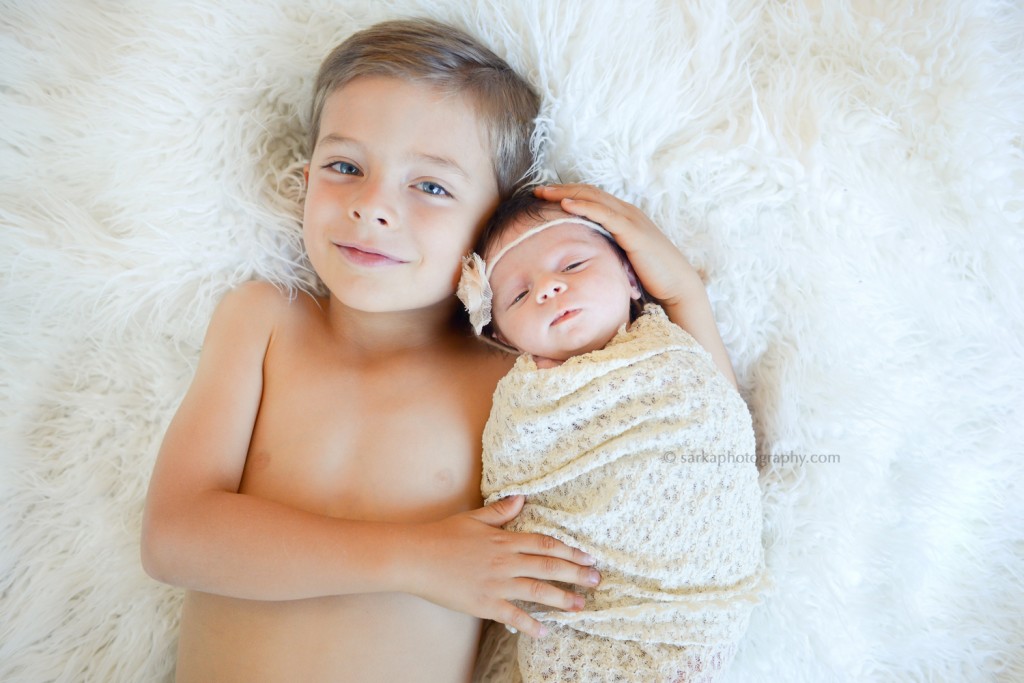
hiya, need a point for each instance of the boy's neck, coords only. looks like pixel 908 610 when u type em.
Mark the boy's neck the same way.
pixel 382 334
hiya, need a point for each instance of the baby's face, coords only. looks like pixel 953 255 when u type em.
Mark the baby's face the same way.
pixel 561 292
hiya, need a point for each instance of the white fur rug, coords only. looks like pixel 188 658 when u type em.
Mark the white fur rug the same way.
pixel 849 176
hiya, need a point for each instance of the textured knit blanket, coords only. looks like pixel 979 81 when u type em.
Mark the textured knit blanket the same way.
pixel 642 455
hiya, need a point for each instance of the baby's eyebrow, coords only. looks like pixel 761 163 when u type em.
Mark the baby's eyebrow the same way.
pixel 509 287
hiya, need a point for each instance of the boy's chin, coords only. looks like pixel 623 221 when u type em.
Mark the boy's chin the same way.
pixel 384 303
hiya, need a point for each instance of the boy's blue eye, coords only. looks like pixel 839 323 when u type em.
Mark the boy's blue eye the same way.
pixel 573 266
pixel 433 188
pixel 343 167
pixel 518 298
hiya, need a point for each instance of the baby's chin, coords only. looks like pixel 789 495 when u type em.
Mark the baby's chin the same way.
pixel 546 362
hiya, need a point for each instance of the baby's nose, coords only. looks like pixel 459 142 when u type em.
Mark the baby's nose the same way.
pixel 550 289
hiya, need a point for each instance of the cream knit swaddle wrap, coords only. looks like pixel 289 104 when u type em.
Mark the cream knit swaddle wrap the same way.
pixel 603 446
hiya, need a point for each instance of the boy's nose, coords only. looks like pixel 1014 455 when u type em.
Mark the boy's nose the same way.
pixel 359 213
pixel 371 206
pixel 550 289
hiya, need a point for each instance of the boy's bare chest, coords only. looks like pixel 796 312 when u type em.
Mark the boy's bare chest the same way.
pixel 395 442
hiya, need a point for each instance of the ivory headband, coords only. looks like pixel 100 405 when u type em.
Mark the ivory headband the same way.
pixel 474 286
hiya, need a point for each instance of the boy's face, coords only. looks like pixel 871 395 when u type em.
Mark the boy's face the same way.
pixel 399 183
pixel 560 293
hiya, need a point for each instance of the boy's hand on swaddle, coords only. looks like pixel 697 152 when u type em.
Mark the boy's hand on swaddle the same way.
pixel 470 564
pixel 662 268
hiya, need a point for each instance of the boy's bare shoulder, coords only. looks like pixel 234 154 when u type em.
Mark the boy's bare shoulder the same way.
pixel 257 304
pixel 258 296
pixel 251 316
pixel 486 362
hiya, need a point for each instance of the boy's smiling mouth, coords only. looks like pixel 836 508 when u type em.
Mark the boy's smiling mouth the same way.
pixel 367 256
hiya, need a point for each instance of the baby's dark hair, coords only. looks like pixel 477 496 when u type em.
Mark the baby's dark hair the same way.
pixel 525 204
pixel 522 204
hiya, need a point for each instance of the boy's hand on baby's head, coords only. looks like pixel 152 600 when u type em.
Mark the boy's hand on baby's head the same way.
pixel 472 565
pixel 661 267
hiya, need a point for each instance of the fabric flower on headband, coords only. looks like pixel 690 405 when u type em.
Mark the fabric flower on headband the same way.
pixel 474 289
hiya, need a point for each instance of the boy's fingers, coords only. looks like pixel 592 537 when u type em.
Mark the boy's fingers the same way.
pixel 595 211
pixel 554 569
pixel 594 204
pixel 545 547
pixel 500 512
pixel 521 621
pixel 630 226
pixel 550 547
pixel 582 192
pixel 543 593
pixel 570 190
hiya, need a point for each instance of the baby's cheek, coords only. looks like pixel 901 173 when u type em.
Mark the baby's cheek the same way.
pixel 504 331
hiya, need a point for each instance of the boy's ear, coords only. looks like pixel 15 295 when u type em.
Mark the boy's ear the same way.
pixel 634 281
pixel 305 173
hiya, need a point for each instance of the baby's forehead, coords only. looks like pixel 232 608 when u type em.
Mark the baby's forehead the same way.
pixel 554 239
pixel 574 230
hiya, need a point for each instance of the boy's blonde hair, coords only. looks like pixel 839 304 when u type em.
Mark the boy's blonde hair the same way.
pixel 436 54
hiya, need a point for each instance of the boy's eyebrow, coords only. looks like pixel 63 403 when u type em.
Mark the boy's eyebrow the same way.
pixel 436 160
pixel 444 162
pixel 335 139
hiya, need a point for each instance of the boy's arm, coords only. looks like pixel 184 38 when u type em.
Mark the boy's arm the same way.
pixel 200 533
pixel 661 267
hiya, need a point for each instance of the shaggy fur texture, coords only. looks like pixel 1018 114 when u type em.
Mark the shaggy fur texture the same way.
pixel 849 176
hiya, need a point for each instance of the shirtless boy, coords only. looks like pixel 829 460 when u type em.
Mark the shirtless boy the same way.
pixel 316 492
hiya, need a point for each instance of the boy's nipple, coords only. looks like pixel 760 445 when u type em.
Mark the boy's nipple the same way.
pixel 444 479
pixel 258 461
